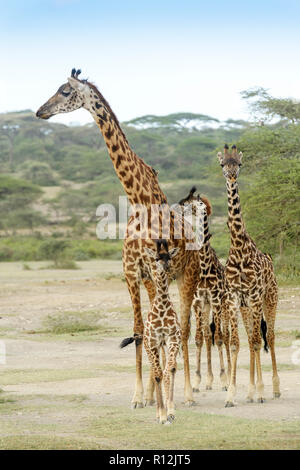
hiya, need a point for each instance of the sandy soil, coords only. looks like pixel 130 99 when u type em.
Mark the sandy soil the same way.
pixel 92 362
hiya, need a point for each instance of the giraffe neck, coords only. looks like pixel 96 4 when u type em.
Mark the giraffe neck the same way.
pixel 137 178
pixel 206 236
pixel 162 287
pixel 205 251
pixel 235 220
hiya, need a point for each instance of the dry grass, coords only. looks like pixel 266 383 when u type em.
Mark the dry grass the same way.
pixel 67 385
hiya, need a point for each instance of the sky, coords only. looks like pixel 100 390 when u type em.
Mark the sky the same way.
pixel 150 56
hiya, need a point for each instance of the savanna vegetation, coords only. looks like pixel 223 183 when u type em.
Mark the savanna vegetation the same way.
pixel 53 177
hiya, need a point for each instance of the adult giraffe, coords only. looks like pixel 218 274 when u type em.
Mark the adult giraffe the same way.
pixel 140 183
pixel 250 286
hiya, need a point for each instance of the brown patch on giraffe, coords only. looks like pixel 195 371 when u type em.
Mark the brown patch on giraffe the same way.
pixel 109 133
pixel 129 183
pixel 115 148
pixel 119 160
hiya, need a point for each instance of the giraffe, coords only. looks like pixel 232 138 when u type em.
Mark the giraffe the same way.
pixel 162 329
pixel 250 286
pixel 208 296
pixel 141 185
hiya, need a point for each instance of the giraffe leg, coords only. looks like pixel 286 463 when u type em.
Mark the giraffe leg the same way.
pixel 248 323
pixel 163 356
pixel 186 290
pixel 149 396
pixel 234 346
pixel 208 342
pixel 270 314
pixel 170 372
pixel 226 338
pixel 251 389
pixel 138 328
pixel 257 315
pixel 161 410
pixel 153 356
pixel 199 344
pixel 217 318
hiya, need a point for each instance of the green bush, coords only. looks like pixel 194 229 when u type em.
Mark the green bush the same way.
pixel 39 173
pixel 30 248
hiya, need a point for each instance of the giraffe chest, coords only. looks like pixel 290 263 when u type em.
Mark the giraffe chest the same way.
pixel 161 325
pixel 241 272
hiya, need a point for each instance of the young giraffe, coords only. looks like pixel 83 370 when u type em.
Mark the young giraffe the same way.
pixel 250 287
pixel 140 183
pixel 162 329
pixel 208 296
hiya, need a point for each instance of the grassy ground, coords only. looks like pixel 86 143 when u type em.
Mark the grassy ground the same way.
pixel 66 384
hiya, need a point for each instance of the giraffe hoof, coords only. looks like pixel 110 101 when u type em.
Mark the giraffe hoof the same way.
pixel 149 402
pixel 261 400
pixel 196 390
pixel 190 403
pixel 136 404
pixel 170 419
pixel 229 404
pixel 249 400
pixel 224 389
pixel 208 387
pixel 277 395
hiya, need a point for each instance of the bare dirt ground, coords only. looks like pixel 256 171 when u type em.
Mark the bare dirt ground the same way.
pixel 53 377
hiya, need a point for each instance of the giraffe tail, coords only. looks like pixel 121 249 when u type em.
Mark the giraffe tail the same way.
pixel 212 327
pixel 263 328
pixel 127 341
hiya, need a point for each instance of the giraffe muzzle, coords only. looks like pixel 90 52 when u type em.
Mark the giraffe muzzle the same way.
pixel 42 113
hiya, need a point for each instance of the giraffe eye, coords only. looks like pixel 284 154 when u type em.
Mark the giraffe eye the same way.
pixel 65 93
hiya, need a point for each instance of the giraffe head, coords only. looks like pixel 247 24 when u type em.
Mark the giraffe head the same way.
pixel 162 255
pixel 199 207
pixel 69 97
pixel 230 162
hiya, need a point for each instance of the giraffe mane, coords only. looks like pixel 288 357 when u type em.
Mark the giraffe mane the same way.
pixel 74 74
pixel 208 205
pixel 188 197
pixel 107 105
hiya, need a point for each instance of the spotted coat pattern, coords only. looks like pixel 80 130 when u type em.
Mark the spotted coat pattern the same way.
pixel 250 287
pixel 207 303
pixel 141 185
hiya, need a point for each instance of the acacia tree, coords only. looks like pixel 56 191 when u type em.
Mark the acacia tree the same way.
pixel 16 198
pixel 270 107
pixel 272 163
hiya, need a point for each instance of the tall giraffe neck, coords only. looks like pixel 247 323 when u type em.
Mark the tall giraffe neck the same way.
pixel 235 220
pixel 205 248
pixel 137 178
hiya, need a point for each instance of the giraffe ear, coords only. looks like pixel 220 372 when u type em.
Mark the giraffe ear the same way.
pixel 220 157
pixel 76 84
pixel 173 252
pixel 150 252
pixel 240 156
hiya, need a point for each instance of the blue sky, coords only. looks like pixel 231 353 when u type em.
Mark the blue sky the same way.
pixel 150 57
